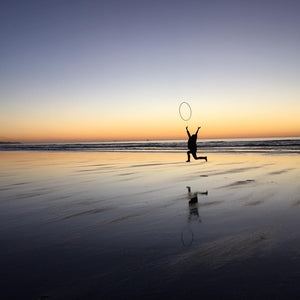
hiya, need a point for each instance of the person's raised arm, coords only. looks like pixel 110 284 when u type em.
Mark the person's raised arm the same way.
pixel 198 130
pixel 187 131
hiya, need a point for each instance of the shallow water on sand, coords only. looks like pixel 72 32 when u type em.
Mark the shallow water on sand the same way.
pixel 119 225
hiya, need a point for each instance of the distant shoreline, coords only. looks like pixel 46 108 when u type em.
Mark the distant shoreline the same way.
pixel 9 143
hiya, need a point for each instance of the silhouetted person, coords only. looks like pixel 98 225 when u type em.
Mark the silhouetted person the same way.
pixel 192 145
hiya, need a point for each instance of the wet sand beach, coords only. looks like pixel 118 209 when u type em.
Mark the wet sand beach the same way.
pixel 82 225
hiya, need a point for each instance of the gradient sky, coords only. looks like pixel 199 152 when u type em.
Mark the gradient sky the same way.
pixel 98 70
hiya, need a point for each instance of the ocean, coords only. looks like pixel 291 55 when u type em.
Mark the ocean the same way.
pixel 287 145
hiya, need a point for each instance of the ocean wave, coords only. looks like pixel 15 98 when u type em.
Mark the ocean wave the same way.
pixel 266 145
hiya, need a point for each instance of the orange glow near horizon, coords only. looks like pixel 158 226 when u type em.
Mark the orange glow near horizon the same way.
pixel 158 131
pixel 147 124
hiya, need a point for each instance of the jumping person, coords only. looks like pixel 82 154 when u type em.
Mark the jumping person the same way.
pixel 192 145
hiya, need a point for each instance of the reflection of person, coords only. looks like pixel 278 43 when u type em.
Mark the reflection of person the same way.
pixel 194 214
pixel 192 145
pixel 193 204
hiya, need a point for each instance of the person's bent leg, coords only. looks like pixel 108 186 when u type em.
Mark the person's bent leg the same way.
pixel 199 157
pixel 202 157
pixel 188 154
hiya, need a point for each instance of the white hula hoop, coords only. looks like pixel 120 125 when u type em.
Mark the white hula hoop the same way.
pixel 189 108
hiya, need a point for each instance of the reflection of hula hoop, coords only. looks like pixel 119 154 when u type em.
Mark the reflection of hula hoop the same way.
pixel 185 118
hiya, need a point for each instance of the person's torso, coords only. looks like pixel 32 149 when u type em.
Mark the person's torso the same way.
pixel 192 142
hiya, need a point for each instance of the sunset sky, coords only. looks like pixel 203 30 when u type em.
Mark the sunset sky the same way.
pixel 108 70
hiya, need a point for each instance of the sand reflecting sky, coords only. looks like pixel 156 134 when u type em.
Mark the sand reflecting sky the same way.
pixel 108 217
